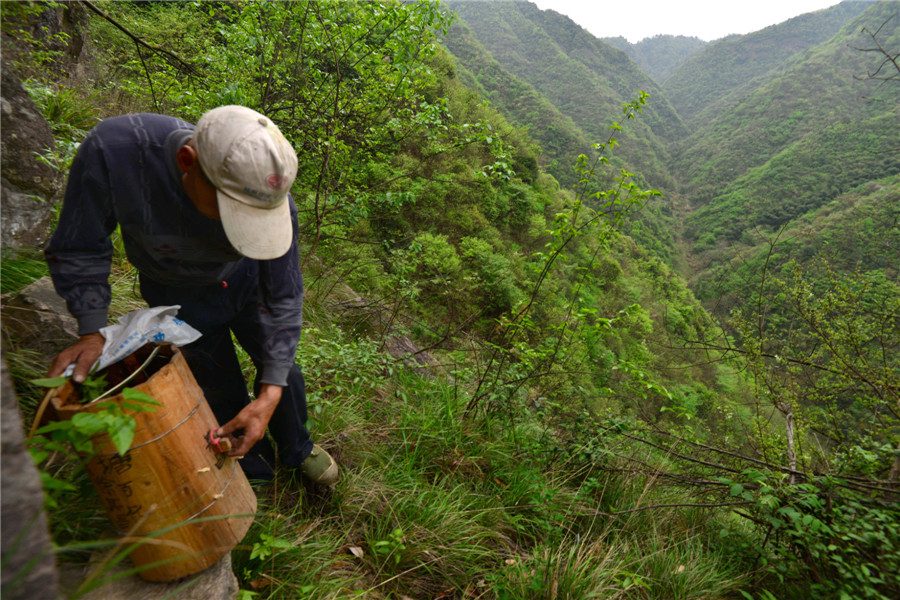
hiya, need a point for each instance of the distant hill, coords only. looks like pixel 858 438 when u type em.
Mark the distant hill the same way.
pixel 559 137
pixel 584 78
pixel 725 71
pixel 857 231
pixel 802 137
pixel 659 55
pixel 779 121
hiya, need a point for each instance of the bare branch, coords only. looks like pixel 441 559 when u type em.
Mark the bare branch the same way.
pixel 674 505
pixel 167 55
pixel 888 60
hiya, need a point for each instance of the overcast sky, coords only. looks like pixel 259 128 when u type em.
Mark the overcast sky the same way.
pixel 706 19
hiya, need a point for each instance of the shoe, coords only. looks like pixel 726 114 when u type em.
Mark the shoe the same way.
pixel 320 467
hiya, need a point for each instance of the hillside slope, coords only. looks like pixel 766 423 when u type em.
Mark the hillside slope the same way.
pixel 857 232
pixel 809 133
pixel 659 56
pixel 723 72
pixel 559 137
pixel 584 78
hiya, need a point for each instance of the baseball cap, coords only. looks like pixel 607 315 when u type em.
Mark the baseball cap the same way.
pixel 252 166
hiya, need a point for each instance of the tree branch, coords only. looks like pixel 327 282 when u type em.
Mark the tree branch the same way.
pixel 169 57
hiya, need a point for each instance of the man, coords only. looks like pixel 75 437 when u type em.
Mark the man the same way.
pixel 207 219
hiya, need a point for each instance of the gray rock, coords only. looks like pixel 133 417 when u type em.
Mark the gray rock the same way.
pixel 36 318
pixel 402 347
pixel 29 187
pixel 215 583
pixel 29 564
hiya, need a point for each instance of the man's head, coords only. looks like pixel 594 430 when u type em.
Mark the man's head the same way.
pixel 250 167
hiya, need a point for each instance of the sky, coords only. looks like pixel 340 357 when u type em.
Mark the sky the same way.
pixel 706 19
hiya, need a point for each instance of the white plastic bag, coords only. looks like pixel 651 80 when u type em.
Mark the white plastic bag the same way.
pixel 139 327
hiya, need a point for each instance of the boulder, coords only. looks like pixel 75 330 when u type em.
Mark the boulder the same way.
pixel 29 187
pixel 29 563
pixel 403 348
pixel 218 582
pixel 37 319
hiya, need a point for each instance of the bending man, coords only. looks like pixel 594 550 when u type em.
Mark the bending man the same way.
pixel 207 219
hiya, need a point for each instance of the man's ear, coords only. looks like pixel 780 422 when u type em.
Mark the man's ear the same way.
pixel 186 157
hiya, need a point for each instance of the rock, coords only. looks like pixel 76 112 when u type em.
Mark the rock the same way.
pixel 402 347
pixel 357 313
pixel 377 319
pixel 36 318
pixel 29 188
pixel 29 565
pixel 215 583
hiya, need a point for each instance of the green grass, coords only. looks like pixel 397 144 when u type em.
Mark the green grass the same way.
pixel 20 267
pixel 432 505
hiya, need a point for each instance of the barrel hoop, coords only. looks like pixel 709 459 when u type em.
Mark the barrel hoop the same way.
pixel 163 434
pixel 196 514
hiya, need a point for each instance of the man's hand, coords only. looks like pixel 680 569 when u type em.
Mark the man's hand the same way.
pixel 253 420
pixel 84 353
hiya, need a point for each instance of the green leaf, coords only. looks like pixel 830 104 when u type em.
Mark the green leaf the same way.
pixel 39 456
pixel 90 423
pixel 54 426
pixel 122 434
pixel 138 400
pixel 49 382
pixel 769 501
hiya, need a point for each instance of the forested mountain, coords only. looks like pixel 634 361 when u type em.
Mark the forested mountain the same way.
pixel 856 232
pixel 803 123
pixel 724 72
pixel 504 240
pixel 800 138
pixel 561 140
pixel 586 79
pixel 659 55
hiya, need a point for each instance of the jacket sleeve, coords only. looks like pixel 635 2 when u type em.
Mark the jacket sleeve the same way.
pixel 281 310
pixel 79 253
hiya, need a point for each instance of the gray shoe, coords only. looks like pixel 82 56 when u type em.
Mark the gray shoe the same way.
pixel 320 467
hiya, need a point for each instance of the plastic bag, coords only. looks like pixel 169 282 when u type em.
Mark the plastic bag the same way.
pixel 139 327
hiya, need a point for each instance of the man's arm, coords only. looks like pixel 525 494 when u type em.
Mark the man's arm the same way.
pixel 281 310
pixel 281 314
pixel 253 420
pixel 79 255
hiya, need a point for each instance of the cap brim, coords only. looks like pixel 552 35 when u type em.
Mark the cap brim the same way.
pixel 257 233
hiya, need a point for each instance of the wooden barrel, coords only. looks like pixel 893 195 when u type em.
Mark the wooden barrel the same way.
pixel 179 502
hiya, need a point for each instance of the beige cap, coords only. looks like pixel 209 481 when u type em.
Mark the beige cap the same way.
pixel 253 167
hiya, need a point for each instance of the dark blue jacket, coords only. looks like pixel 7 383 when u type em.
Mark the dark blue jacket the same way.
pixel 125 174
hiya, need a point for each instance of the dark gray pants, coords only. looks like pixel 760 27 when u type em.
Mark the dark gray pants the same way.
pixel 216 311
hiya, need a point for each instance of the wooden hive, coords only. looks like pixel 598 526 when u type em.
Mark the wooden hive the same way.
pixel 184 505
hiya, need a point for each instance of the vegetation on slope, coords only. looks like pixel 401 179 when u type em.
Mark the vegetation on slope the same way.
pixel 659 56
pixel 584 78
pixel 807 175
pixel 719 76
pixel 553 54
pixel 584 428
pixel 560 139
pixel 814 91
pixel 857 231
